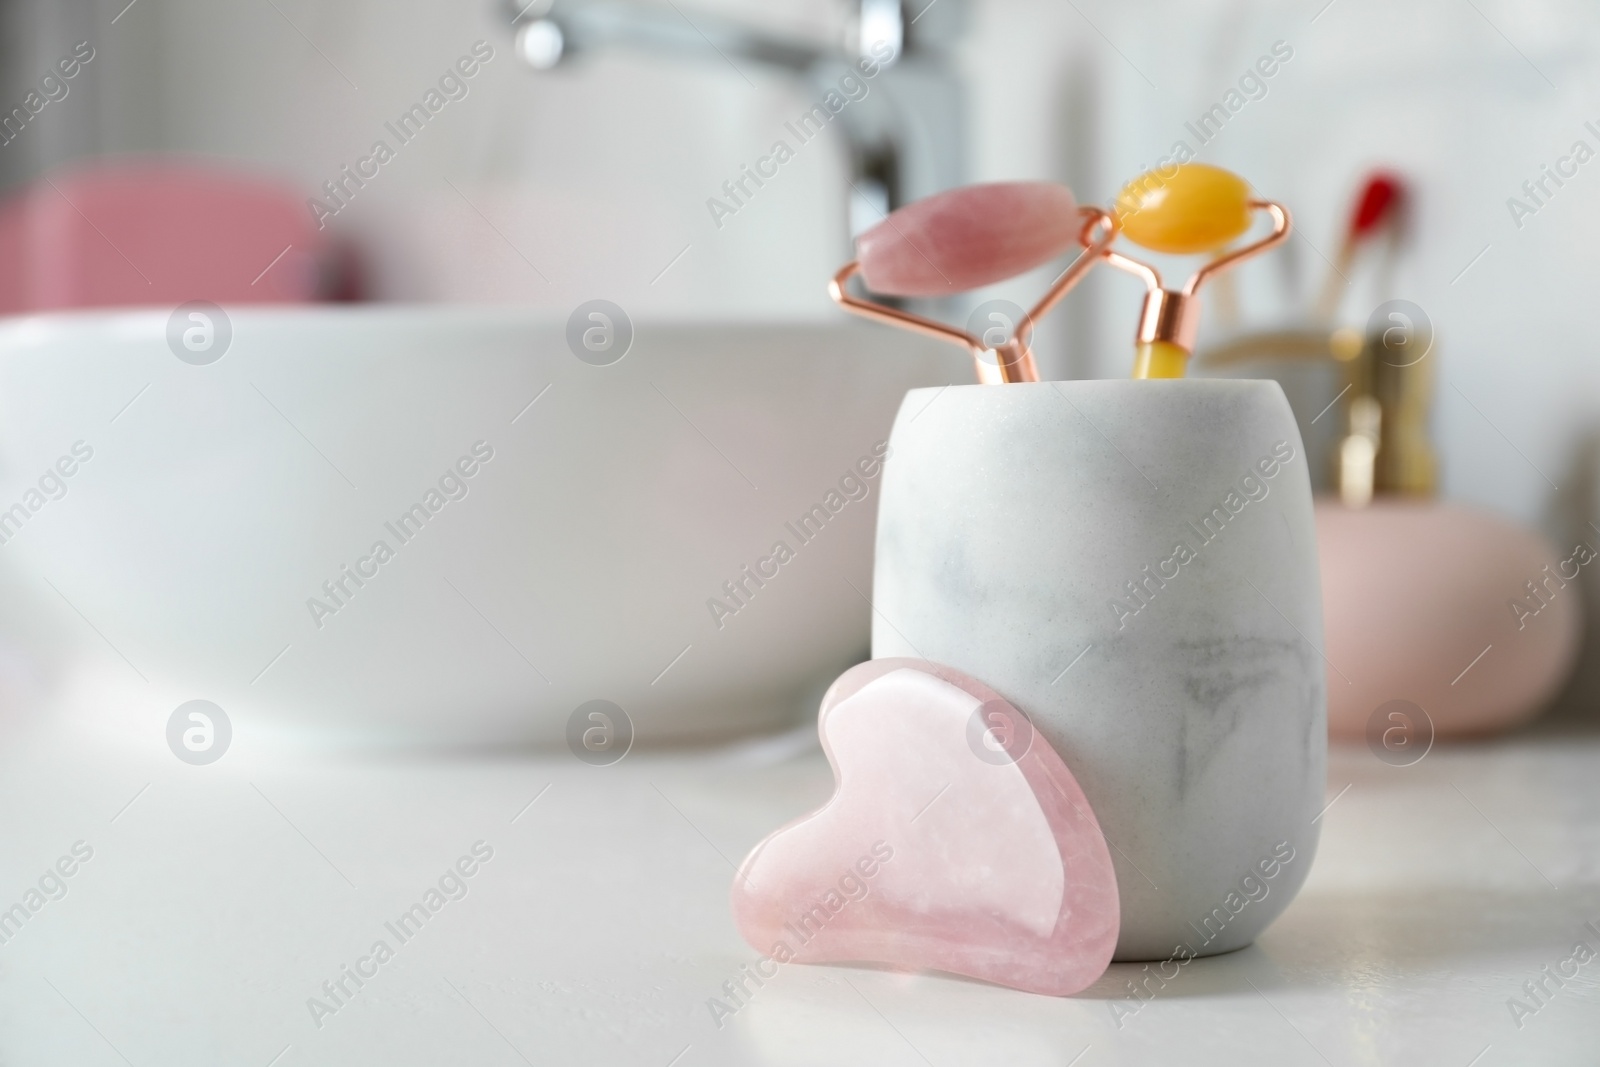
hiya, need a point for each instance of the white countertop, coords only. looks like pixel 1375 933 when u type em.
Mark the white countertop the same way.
pixel 219 899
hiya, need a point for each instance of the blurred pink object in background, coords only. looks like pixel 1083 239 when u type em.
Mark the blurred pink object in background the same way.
pixel 139 232
pixel 1422 605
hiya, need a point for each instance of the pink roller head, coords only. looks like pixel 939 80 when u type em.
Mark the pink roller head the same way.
pixel 958 240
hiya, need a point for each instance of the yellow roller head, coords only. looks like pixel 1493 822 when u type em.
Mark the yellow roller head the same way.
pixel 1195 207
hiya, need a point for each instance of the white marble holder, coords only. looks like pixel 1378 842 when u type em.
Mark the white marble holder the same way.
pixel 1133 564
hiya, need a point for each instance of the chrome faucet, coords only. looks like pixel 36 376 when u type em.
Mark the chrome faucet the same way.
pixel 905 139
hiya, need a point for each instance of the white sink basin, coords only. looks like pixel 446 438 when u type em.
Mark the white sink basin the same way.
pixel 183 558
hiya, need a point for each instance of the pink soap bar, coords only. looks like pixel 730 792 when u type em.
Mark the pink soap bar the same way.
pixel 956 840
pixel 154 232
pixel 958 240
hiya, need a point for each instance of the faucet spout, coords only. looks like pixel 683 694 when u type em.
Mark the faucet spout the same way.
pixel 904 139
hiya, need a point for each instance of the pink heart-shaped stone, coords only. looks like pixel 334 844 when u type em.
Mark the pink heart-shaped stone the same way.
pixel 956 840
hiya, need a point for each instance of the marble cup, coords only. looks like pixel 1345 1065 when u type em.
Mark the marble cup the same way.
pixel 1133 564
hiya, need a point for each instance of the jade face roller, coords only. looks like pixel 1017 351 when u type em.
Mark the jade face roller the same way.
pixel 959 240
pixel 1198 208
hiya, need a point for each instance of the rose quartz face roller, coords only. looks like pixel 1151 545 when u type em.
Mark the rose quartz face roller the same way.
pixel 959 240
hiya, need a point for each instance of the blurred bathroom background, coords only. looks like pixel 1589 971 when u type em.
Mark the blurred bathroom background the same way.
pixel 548 187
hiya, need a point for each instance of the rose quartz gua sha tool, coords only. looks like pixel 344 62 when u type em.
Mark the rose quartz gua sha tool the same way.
pixel 956 840
pixel 958 240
